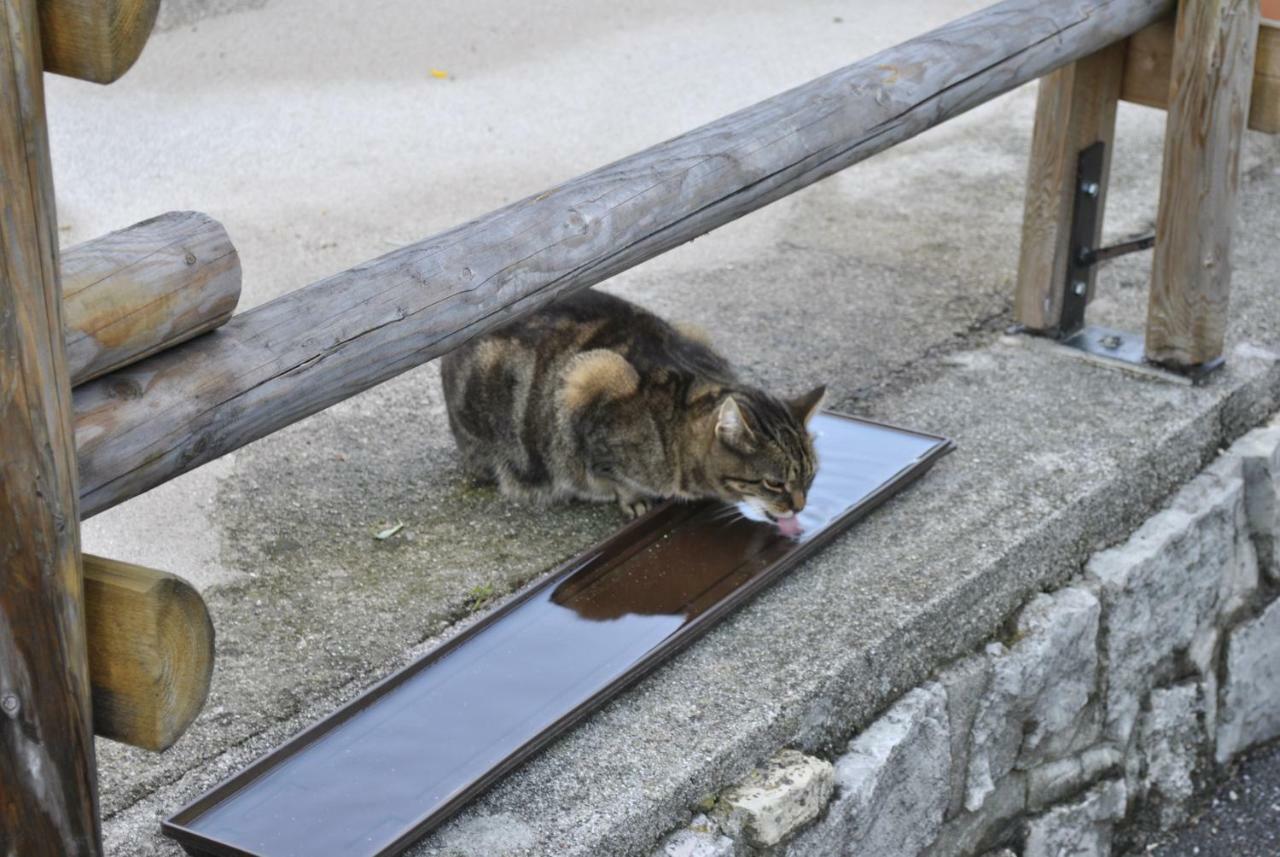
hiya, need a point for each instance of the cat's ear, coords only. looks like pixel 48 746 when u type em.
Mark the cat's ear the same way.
pixel 731 426
pixel 804 407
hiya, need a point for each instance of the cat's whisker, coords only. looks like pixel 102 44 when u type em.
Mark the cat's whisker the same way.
pixel 727 513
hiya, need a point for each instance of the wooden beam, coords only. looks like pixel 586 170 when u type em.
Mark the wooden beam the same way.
pixel 1264 106
pixel 150 652
pixel 1213 61
pixel 1075 107
pixel 95 40
pixel 48 802
pixel 1150 64
pixel 300 353
pixel 146 288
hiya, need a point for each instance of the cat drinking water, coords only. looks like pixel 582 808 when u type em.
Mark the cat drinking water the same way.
pixel 595 398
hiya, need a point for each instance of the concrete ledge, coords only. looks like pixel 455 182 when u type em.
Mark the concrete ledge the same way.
pixel 1056 459
pixel 1105 707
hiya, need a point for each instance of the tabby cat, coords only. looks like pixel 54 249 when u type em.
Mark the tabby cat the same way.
pixel 596 398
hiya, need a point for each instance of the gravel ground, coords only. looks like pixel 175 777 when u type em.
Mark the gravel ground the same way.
pixel 1241 820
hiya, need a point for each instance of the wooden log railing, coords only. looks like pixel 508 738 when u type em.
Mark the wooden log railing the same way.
pixel 141 425
pixel 290 358
pixel 95 40
pixel 1216 69
pixel 144 289
pixel 150 652
pixel 1148 68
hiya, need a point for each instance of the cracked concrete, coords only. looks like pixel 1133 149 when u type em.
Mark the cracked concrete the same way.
pixel 317 135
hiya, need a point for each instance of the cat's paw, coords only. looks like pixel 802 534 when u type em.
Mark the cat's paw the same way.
pixel 635 507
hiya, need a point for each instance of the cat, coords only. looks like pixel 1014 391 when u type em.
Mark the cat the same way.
pixel 595 398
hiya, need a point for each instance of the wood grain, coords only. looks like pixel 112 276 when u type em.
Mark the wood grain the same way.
pixel 1213 63
pixel 146 288
pixel 304 351
pixel 150 652
pixel 48 802
pixel 1075 107
pixel 96 40
pixel 1149 66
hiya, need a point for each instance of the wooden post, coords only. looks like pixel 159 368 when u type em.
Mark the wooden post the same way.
pixel 48 803
pixel 1075 108
pixel 1148 69
pixel 1213 60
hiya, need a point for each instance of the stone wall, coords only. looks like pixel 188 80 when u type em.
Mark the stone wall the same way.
pixel 1108 706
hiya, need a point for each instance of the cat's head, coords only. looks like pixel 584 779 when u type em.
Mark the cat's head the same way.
pixel 762 452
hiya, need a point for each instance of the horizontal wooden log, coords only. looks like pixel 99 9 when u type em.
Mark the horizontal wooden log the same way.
pixel 145 288
pixel 302 352
pixel 150 652
pixel 1149 64
pixel 96 40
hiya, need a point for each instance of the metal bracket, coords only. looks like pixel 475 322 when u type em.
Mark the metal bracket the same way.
pixel 1124 350
pixel 1101 344
pixel 1082 256
pixel 1103 254
pixel 1085 211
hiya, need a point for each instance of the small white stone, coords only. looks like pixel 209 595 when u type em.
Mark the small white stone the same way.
pixel 777 799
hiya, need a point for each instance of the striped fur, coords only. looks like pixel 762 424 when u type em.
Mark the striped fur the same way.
pixel 595 398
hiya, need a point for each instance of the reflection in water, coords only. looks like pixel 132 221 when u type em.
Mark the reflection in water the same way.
pixel 453 717
pixel 691 555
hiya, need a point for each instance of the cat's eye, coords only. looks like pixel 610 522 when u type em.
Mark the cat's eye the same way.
pixel 771 485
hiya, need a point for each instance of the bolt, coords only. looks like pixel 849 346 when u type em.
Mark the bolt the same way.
pixel 10 704
pixel 1080 287
pixel 1090 188
pixel 1111 342
pixel 190 258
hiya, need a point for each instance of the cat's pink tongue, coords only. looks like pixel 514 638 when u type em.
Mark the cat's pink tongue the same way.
pixel 789 526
